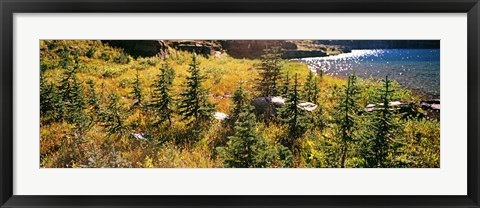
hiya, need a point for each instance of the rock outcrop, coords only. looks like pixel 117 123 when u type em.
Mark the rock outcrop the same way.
pixel 382 44
pixel 143 48
pixel 270 105
pixel 292 54
pixel 253 48
pixel 202 48
pixel 429 109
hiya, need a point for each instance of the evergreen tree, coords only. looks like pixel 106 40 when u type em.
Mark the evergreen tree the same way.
pixel 345 117
pixel 137 94
pixel 384 124
pixel 113 116
pixel 240 99
pixel 194 105
pixel 94 102
pixel 245 148
pixel 321 120
pixel 285 86
pixel 270 72
pixel 161 102
pixel 293 116
pixel 316 90
pixel 310 89
pixel 71 103
pixel 48 98
pixel 93 98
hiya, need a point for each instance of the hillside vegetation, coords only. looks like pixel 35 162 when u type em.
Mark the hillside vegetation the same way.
pixel 102 108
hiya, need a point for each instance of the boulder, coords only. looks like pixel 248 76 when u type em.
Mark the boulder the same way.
pixel 140 136
pixel 220 116
pixel 431 108
pixel 396 105
pixel 307 106
pixel 267 105
pixel 430 104
pixel 270 105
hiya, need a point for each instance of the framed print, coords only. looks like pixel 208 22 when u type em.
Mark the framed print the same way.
pixel 246 104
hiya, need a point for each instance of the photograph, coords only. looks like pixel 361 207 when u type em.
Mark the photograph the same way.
pixel 170 103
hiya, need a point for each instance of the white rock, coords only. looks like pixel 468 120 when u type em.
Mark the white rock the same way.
pixel 278 99
pixel 220 115
pixel 394 103
pixel 139 136
pixel 308 106
pixel 435 106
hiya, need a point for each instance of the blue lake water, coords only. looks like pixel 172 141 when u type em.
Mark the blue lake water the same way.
pixel 416 69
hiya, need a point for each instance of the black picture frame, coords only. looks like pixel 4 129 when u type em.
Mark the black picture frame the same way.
pixel 10 7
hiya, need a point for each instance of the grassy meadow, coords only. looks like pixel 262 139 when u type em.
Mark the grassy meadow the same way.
pixel 95 98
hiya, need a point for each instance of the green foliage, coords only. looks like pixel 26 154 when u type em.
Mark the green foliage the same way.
pixel 245 148
pixel 346 116
pixel 111 72
pixel 48 99
pixel 148 61
pixel 93 99
pixel 161 101
pixel 421 147
pixel 240 99
pixel 382 141
pixel 71 103
pixel 137 93
pixel 270 72
pixel 194 105
pixel 122 58
pixel 91 52
pixel 113 117
pixel 310 88
pixel 293 116
pixel 285 86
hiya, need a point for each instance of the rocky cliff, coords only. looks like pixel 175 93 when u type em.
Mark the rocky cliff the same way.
pixel 382 44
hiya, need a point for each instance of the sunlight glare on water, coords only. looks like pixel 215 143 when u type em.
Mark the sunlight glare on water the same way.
pixel 417 69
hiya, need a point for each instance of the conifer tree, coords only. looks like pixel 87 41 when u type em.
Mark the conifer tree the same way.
pixel 310 89
pixel 291 115
pixel 316 90
pixel 285 86
pixel 162 101
pixel 240 99
pixel 71 103
pixel 384 125
pixel 93 101
pixel 321 120
pixel 137 94
pixel 194 106
pixel 245 148
pixel 113 116
pixel 93 98
pixel 48 98
pixel 270 72
pixel 345 117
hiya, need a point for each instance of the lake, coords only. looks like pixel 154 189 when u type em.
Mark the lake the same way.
pixel 415 69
